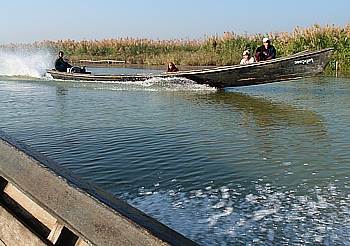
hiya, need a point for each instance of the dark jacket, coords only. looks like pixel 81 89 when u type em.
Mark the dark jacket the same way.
pixel 61 65
pixel 263 54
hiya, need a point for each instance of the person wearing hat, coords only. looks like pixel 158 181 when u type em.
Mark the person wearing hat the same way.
pixel 265 51
pixel 247 58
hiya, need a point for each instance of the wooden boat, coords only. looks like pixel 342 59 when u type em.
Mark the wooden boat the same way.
pixel 300 65
pixel 54 206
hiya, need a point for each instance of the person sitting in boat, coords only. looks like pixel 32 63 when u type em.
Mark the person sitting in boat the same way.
pixel 171 68
pixel 265 51
pixel 60 64
pixel 247 58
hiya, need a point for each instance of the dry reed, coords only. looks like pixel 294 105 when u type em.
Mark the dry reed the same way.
pixel 206 51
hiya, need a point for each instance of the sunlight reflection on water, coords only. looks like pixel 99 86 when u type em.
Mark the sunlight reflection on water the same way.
pixel 255 165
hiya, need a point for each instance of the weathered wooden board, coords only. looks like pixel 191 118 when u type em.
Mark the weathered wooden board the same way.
pixel 45 203
pixel 301 65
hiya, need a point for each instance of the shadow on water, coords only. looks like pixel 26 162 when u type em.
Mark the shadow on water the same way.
pixel 263 111
pixel 273 138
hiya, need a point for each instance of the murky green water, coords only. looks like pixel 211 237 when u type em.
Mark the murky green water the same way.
pixel 255 165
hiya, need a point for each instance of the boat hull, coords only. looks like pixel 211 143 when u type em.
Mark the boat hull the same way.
pixel 96 77
pixel 300 65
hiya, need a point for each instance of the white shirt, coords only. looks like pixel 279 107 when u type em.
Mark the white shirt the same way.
pixel 244 61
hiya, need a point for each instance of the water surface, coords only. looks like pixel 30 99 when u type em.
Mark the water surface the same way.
pixel 252 165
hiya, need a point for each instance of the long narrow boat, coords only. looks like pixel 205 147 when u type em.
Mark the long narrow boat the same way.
pixel 300 65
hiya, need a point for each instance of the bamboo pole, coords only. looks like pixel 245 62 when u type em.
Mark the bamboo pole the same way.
pixel 336 69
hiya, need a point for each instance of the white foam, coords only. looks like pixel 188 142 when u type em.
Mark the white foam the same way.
pixel 267 215
pixel 25 62
pixel 178 84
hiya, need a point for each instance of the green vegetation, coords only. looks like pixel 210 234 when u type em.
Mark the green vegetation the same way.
pixel 208 51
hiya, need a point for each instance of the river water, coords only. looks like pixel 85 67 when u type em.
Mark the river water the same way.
pixel 254 165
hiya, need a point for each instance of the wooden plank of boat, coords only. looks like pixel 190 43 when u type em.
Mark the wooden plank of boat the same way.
pixel 300 65
pixel 53 206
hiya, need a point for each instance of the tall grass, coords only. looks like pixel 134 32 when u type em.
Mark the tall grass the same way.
pixel 209 50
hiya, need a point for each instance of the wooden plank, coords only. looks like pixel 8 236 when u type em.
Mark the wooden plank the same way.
pixel 39 213
pixel 86 210
pixel 81 242
pixel 12 232
pixel 55 232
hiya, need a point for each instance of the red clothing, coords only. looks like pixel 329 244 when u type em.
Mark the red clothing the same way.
pixel 171 68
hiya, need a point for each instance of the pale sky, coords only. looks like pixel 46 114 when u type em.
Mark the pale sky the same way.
pixel 24 21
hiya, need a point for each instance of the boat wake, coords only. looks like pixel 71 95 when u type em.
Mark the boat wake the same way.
pixel 177 84
pixel 163 84
pixel 24 62
pixel 152 84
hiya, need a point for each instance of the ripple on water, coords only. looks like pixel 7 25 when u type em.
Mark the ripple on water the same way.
pixel 258 165
pixel 266 214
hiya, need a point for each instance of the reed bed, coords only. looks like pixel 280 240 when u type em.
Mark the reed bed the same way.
pixel 207 51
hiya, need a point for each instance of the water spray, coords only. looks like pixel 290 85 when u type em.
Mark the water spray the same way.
pixel 20 61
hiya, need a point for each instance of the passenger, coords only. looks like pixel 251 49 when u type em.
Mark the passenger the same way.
pixel 266 51
pixel 247 59
pixel 171 67
pixel 60 64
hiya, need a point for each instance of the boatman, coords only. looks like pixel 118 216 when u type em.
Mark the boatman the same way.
pixel 60 64
pixel 265 51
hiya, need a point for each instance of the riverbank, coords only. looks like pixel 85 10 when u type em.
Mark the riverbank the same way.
pixel 207 51
pixel 136 66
